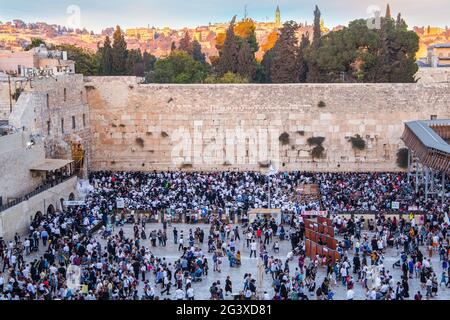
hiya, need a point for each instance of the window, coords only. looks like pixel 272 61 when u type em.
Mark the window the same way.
pixel 73 123
pixel 48 127
pixel 62 125
pixel 65 94
pixel 81 96
pixel 433 117
pixel 84 120
pixel 48 101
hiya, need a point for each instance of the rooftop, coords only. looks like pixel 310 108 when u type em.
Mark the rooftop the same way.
pixel 424 132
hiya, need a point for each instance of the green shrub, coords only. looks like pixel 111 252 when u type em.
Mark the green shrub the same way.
pixel 318 152
pixel 140 142
pixel 358 142
pixel 315 141
pixel 284 138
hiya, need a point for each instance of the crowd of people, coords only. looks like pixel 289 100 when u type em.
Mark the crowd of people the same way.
pixel 237 192
pixel 114 264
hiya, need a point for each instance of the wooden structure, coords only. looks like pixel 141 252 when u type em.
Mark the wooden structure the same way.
pixel 262 213
pixel 429 153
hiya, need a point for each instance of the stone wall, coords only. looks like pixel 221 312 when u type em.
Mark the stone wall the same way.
pixel 19 217
pixel 433 75
pixel 148 127
pixel 4 100
pixel 55 108
pixel 16 179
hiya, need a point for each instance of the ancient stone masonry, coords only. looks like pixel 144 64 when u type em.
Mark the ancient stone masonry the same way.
pixel 55 108
pixel 225 127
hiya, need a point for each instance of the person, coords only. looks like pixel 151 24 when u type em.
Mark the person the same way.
pixel 180 246
pixel 167 285
pixel 418 296
pixel 175 235
pixel 179 294
pixel 350 294
pixel 228 286
pixel 189 292
pixel 253 246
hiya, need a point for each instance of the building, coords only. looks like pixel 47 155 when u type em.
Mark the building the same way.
pixel 143 34
pixel 31 183
pixel 37 61
pixel 44 134
pixel 439 55
pixel 278 17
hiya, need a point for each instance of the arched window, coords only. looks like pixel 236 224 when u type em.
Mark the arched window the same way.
pixel 51 209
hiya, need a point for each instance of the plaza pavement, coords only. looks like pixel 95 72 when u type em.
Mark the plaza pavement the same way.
pixel 249 265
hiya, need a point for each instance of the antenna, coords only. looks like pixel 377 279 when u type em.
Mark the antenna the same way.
pixel 245 12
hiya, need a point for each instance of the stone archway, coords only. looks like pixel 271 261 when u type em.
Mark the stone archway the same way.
pixel 50 209
pixel 36 217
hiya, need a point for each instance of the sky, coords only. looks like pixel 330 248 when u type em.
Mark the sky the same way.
pixel 98 14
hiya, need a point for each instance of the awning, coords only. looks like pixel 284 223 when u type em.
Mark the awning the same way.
pixel 51 165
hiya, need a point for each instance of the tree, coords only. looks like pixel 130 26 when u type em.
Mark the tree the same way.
pixel 283 58
pixel 263 69
pixel 313 67
pixel 185 44
pixel 228 77
pixel 228 59
pixel 351 51
pixel 104 55
pixel 197 53
pixel 271 40
pixel 86 63
pixel 35 42
pixel 245 30
pixel 302 62
pixel 396 55
pixel 119 53
pixel 246 61
pixel 317 27
pixel 178 67
pixel 135 64
pixel 149 61
pixel 173 46
pixel 388 11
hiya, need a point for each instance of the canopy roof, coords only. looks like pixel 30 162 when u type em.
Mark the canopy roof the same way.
pixel 51 165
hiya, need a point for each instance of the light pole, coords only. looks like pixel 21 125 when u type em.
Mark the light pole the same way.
pixel 271 172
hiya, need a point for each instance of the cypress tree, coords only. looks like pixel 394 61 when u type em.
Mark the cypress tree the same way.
pixel 228 59
pixel 302 61
pixel 246 61
pixel 388 11
pixel 148 61
pixel 134 64
pixel 185 44
pixel 313 67
pixel 119 53
pixel 173 46
pixel 284 64
pixel 197 53
pixel 105 57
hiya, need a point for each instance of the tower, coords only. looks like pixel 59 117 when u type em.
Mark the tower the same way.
pixel 278 17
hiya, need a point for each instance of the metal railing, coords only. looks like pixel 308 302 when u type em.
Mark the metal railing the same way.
pixel 34 193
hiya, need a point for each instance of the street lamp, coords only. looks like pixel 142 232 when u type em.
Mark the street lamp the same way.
pixel 271 172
